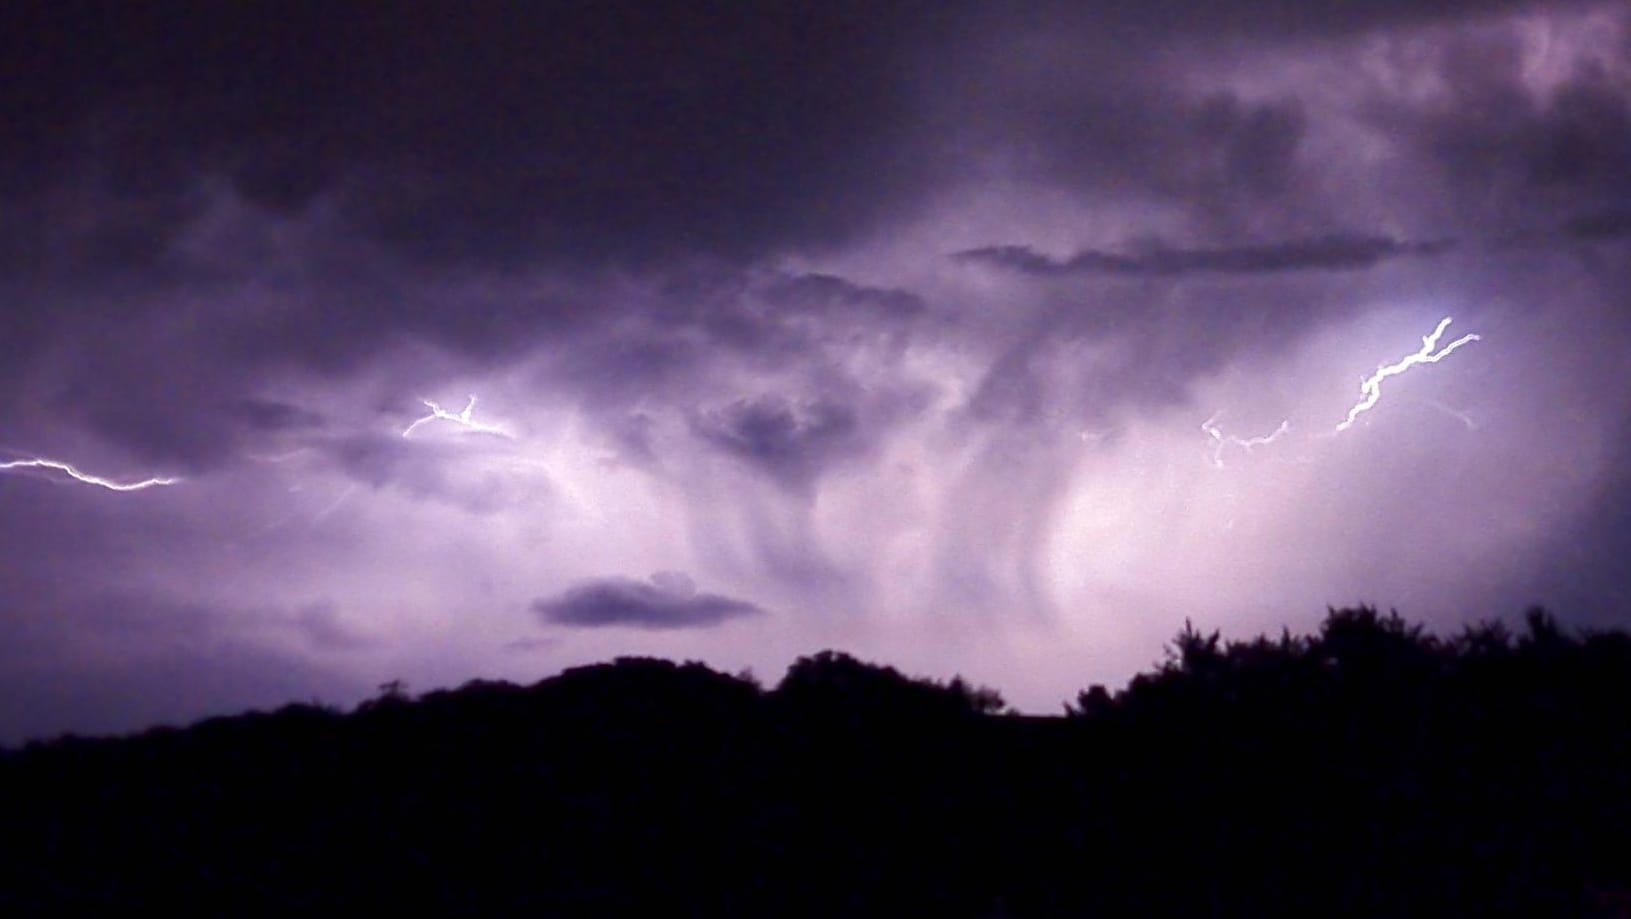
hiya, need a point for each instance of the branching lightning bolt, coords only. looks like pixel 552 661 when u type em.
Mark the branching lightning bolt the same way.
pixel 462 418
pixel 1371 386
pixel 1221 440
pixel 87 478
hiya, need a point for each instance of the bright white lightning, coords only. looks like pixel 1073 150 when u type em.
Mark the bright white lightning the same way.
pixel 87 478
pixel 1371 386
pixel 1221 440
pixel 462 418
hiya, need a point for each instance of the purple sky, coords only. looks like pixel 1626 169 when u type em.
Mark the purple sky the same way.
pixel 919 330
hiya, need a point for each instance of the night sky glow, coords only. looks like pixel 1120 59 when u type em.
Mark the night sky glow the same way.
pixel 974 338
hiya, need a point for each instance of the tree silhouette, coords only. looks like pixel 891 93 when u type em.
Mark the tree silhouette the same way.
pixel 1370 768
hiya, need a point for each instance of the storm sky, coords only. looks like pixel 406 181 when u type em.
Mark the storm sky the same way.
pixel 993 339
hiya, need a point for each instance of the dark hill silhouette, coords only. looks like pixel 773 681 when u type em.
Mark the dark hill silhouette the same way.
pixel 1369 769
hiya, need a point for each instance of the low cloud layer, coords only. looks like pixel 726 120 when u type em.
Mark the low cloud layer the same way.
pixel 668 600
pixel 1328 253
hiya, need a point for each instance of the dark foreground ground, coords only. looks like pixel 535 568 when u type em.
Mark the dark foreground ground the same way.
pixel 1366 770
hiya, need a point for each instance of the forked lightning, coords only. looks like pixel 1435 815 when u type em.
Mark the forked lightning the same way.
pixel 1370 389
pixel 461 418
pixel 1221 440
pixel 1371 386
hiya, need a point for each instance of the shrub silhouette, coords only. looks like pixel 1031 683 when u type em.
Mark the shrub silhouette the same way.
pixel 1370 768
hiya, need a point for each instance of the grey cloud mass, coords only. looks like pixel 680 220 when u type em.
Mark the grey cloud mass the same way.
pixel 497 133
pixel 788 441
pixel 667 601
pixel 1328 253
pixel 1602 225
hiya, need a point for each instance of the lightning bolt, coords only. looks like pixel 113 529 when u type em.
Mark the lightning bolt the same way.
pixel 462 418
pixel 87 478
pixel 1371 387
pixel 1221 440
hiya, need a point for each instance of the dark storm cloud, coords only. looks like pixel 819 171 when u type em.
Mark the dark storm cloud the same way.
pixel 801 318
pixel 515 133
pixel 789 441
pixel 824 294
pixel 317 184
pixel 398 150
pixel 180 402
pixel 1104 99
pixel 521 133
pixel 1274 19
pixel 1326 253
pixel 666 601
pixel 169 413
pixel 679 347
pixel 1078 103
pixel 1506 152
pixel 1216 153
pixel 1605 225
pixel 271 415
pixel 495 131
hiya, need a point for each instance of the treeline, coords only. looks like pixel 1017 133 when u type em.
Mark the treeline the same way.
pixel 1369 769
